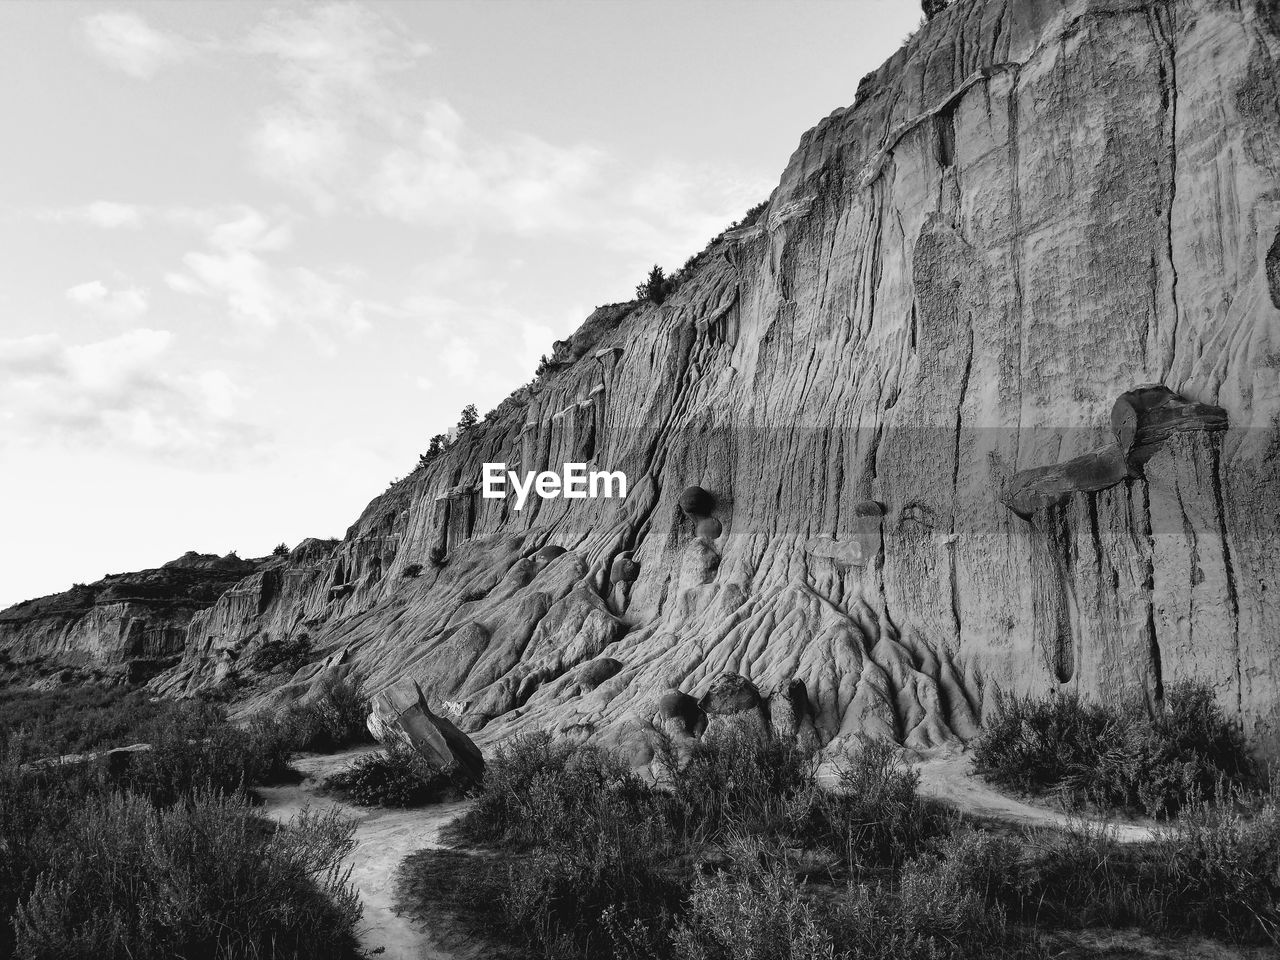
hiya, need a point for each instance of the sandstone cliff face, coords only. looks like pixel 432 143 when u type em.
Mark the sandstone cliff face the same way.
pixel 124 618
pixel 920 392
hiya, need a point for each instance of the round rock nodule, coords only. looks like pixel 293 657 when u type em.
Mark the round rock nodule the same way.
pixel 624 570
pixel 730 693
pixel 709 528
pixel 696 502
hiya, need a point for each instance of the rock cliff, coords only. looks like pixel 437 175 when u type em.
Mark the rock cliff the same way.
pixel 126 623
pixel 985 397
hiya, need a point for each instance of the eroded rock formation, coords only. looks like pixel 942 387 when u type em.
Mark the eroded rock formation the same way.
pixel 1031 211
pixel 125 624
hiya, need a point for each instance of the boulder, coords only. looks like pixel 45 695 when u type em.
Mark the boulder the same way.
pixel 548 553
pixel 730 693
pixel 680 714
pixel 789 708
pixel 401 715
pixel 624 570
pixel 595 672
pixel 709 528
pixel 696 502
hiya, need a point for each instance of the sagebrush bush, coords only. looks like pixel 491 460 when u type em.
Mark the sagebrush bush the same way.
pixel 537 790
pixel 1115 756
pixel 393 777
pixel 1214 871
pixel 201 879
pixel 593 850
pixel 35 808
pixel 876 817
pixel 333 719
pixel 202 752
pixel 82 719
pixel 737 782
pixel 755 910
pixel 739 851
pixel 578 897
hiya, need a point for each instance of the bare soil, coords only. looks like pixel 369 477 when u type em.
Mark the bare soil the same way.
pixel 383 839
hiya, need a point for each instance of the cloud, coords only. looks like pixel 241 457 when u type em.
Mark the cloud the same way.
pixel 446 175
pixel 357 124
pixel 358 127
pixel 237 268
pixel 128 303
pixel 127 42
pixel 120 393
pixel 105 214
pixel 335 50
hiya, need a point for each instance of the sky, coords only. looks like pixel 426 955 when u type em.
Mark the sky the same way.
pixel 253 256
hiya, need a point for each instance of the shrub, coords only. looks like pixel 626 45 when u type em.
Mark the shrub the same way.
pixel 333 719
pixel 434 448
pixel 876 816
pixel 1214 871
pixel 656 287
pixel 756 910
pixel 736 781
pixel 413 570
pixel 286 655
pixel 82 719
pixel 932 8
pixel 201 879
pixel 592 850
pixel 537 790
pixel 202 752
pixel 570 897
pixel 35 808
pixel 280 550
pixel 1115 756
pixel 394 777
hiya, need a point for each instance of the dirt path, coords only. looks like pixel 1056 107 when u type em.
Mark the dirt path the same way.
pixel 383 839
pixel 951 780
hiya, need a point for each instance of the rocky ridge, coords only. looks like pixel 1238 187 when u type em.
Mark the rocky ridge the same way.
pixel 985 398
pixel 126 623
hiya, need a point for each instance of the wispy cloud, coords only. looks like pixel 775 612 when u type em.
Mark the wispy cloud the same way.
pixel 126 41
pixel 360 126
pixel 126 303
pixel 236 267
pixel 118 392
pixel 106 214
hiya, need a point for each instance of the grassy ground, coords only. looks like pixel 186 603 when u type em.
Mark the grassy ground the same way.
pixel 164 855
pixel 81 719
pixel 742 855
